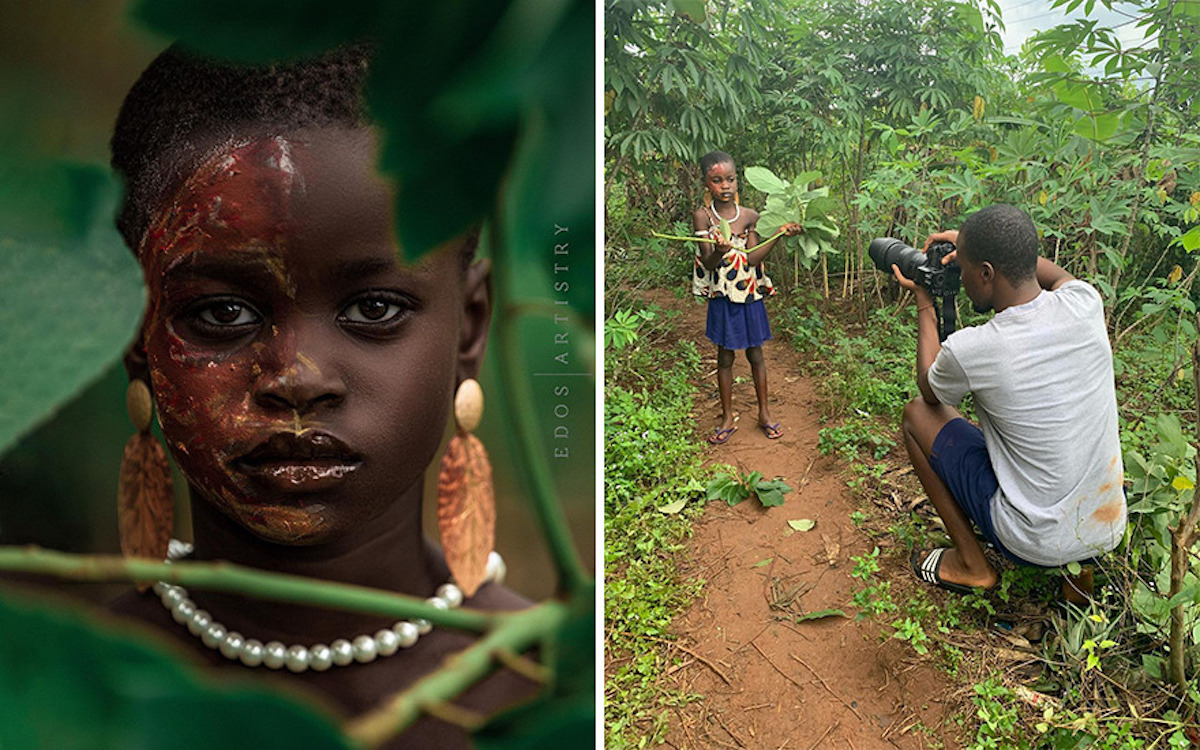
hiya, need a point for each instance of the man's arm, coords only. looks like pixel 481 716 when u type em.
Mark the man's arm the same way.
pixel 928 344
pixel 1050 276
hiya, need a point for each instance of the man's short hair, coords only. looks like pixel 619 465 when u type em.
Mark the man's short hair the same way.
pixel 1004 236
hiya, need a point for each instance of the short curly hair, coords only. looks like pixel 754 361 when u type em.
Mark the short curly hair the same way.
pixel 183 101
pixel 1004 236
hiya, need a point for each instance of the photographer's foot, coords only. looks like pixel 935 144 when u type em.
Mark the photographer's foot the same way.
pixel 945 568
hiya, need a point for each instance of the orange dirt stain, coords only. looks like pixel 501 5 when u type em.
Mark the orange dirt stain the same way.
pixel 1109 512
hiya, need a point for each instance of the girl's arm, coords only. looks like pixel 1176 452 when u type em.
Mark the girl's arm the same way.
pixel 752 239
pixel 710 253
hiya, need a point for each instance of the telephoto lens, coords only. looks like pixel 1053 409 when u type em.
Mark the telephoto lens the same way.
pixel 886 251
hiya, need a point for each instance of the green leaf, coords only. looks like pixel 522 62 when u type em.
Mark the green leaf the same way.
pixel 1074 568
pixel 72 299
pixel 764 180
pixel 1153 666
pixel 673 507
pixel 133 695
pixel 1078 95
pixel 770 493
pixel 802 524
pixel 1190 240
pixel 728 488
pixel 1098 128
pixel 693 9
pixel 762 563
pixel 819 615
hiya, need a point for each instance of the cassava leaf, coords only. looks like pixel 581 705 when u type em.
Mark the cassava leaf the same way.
pixel 764 180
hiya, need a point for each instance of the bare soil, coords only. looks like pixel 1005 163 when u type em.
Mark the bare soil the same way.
pixel 767 679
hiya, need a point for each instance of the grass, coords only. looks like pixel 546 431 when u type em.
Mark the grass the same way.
pixel 652 460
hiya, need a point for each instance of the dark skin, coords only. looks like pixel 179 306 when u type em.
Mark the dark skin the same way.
pixel 924 417
pixel 278 307
pixel 721 183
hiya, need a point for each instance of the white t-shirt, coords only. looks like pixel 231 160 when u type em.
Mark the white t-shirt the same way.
pixel 1042 377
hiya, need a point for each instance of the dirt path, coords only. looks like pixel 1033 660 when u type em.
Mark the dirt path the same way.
pixel 767 681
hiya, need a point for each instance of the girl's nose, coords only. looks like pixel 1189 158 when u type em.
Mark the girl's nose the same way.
pixel 295 377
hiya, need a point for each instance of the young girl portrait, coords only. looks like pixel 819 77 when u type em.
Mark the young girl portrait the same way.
pixel 313 374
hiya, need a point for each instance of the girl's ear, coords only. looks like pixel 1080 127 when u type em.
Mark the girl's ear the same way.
pixel 477 314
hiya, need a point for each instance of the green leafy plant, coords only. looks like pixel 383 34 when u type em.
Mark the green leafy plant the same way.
pixel 796 201
pixel 733 488
pixel 622 328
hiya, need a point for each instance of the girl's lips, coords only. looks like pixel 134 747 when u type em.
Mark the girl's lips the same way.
pixel 299 462
pixel 296 476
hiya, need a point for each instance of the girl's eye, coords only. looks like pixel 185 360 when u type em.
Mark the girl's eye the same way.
pixel 228 314
pixel 373 310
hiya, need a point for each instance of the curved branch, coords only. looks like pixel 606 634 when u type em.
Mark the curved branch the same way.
pixel 223 576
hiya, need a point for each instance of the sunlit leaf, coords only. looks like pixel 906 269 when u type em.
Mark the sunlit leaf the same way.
pixel 802 524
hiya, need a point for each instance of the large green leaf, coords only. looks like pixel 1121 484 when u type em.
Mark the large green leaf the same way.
pixel 72 292
pixel 764 180
pixel 67 682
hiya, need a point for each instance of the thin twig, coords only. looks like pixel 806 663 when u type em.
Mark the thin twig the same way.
pixel 826 686
pixel 452 714
pixel 786 676
pixel 526 667
pixel 518 632
pixel 824 734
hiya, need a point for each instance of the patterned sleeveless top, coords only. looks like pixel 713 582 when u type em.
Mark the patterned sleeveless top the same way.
pixel 734 278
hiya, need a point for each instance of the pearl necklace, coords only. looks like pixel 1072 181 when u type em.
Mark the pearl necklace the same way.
pixel 736 214
pixel 318 657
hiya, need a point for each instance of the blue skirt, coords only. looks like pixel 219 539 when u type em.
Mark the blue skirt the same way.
pixel 737 326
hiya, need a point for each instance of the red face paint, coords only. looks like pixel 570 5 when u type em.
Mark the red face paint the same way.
pixel 302 376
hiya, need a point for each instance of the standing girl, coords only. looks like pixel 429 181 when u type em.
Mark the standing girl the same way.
pixel 730 274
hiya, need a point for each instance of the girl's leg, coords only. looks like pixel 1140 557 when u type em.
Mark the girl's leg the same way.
pixel 725 385
pixel 758 369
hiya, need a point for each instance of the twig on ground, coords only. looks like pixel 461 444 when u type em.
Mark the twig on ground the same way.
pixel 824 734
pixel 786 676
pixel 826 686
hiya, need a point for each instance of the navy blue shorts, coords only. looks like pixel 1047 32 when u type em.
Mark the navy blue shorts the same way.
pixel 737 326
pixel 959 456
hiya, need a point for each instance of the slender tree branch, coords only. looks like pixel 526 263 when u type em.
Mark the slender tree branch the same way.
pixel 222 576
pixel 515 632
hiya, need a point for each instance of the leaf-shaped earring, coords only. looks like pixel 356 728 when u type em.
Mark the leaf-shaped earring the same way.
pixel 466 503
pixel 145 499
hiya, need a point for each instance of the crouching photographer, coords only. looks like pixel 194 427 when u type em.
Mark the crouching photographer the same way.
pixel 1041 476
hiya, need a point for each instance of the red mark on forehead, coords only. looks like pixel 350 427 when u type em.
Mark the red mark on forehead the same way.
pixel 241 195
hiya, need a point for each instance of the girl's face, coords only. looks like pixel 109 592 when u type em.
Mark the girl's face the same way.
pixel 303 376
pixel 721 181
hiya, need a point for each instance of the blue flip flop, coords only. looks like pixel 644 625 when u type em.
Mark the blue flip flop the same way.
pixel 721 436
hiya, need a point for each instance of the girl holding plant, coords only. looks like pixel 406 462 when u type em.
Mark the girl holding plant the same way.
pixel 729 273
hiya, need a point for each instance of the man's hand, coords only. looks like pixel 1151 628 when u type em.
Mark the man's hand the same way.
pixel 791 229
pixel 946 235
pixel 921 294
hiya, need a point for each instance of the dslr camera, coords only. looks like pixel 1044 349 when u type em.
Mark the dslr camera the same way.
pixel 926 269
